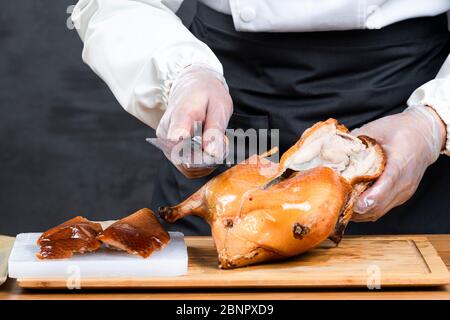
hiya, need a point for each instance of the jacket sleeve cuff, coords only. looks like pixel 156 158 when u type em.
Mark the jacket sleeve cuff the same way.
pixel 138 48
pixel 149 99
pixel 435 94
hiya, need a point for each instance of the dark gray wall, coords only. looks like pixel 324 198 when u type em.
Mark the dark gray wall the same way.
pixel 67 146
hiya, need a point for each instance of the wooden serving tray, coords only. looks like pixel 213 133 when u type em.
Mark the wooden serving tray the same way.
pixel 358 261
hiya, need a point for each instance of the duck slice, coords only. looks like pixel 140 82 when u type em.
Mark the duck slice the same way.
pixel 77 235
pixel 140 233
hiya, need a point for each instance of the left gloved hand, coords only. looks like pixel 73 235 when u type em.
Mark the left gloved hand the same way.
pixel 412 140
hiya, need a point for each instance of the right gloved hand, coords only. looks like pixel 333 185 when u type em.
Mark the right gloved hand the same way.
pixel 198 94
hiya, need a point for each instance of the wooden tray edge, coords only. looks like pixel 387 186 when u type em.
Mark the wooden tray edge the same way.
pixel 439 276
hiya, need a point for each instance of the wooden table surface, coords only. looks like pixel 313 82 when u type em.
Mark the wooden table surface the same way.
pixel 10 290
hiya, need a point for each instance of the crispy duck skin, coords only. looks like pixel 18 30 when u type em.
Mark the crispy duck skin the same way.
pixel 77 235
pixel 140 234
pixel 257 215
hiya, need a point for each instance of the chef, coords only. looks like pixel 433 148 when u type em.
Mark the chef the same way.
pixel 381 67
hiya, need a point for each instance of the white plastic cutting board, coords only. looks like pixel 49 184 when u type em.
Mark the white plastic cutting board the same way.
pixel 102 264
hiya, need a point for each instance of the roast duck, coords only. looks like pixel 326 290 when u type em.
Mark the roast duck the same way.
pixel 77 235
pixel 140 234
pixel 259 210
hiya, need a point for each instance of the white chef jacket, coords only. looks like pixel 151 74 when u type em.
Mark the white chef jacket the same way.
pixel 138 47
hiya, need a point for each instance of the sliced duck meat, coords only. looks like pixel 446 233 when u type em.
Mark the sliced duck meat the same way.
pixel 140 233
pixel 329 144
pixel 77 235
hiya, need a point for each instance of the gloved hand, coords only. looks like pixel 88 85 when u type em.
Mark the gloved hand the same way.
pixel 412 140
pixel 198 94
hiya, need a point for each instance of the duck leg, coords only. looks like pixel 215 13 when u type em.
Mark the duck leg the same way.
pixel 194 205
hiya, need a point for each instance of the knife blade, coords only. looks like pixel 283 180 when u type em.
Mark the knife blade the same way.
pixel 188 152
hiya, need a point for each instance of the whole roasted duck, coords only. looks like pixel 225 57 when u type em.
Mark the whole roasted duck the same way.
pixel 260 211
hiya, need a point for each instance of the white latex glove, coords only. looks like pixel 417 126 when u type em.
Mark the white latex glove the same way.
pixel 198 94
pixel 412 140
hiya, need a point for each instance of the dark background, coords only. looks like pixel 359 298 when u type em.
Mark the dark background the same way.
pixel 67 147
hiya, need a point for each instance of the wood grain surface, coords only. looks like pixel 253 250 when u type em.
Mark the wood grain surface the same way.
pixel 356 262
pixel 440 242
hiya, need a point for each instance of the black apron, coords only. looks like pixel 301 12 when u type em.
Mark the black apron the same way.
pixel 290 81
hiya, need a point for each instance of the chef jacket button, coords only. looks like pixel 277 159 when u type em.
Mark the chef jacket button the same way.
pixel 247 14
